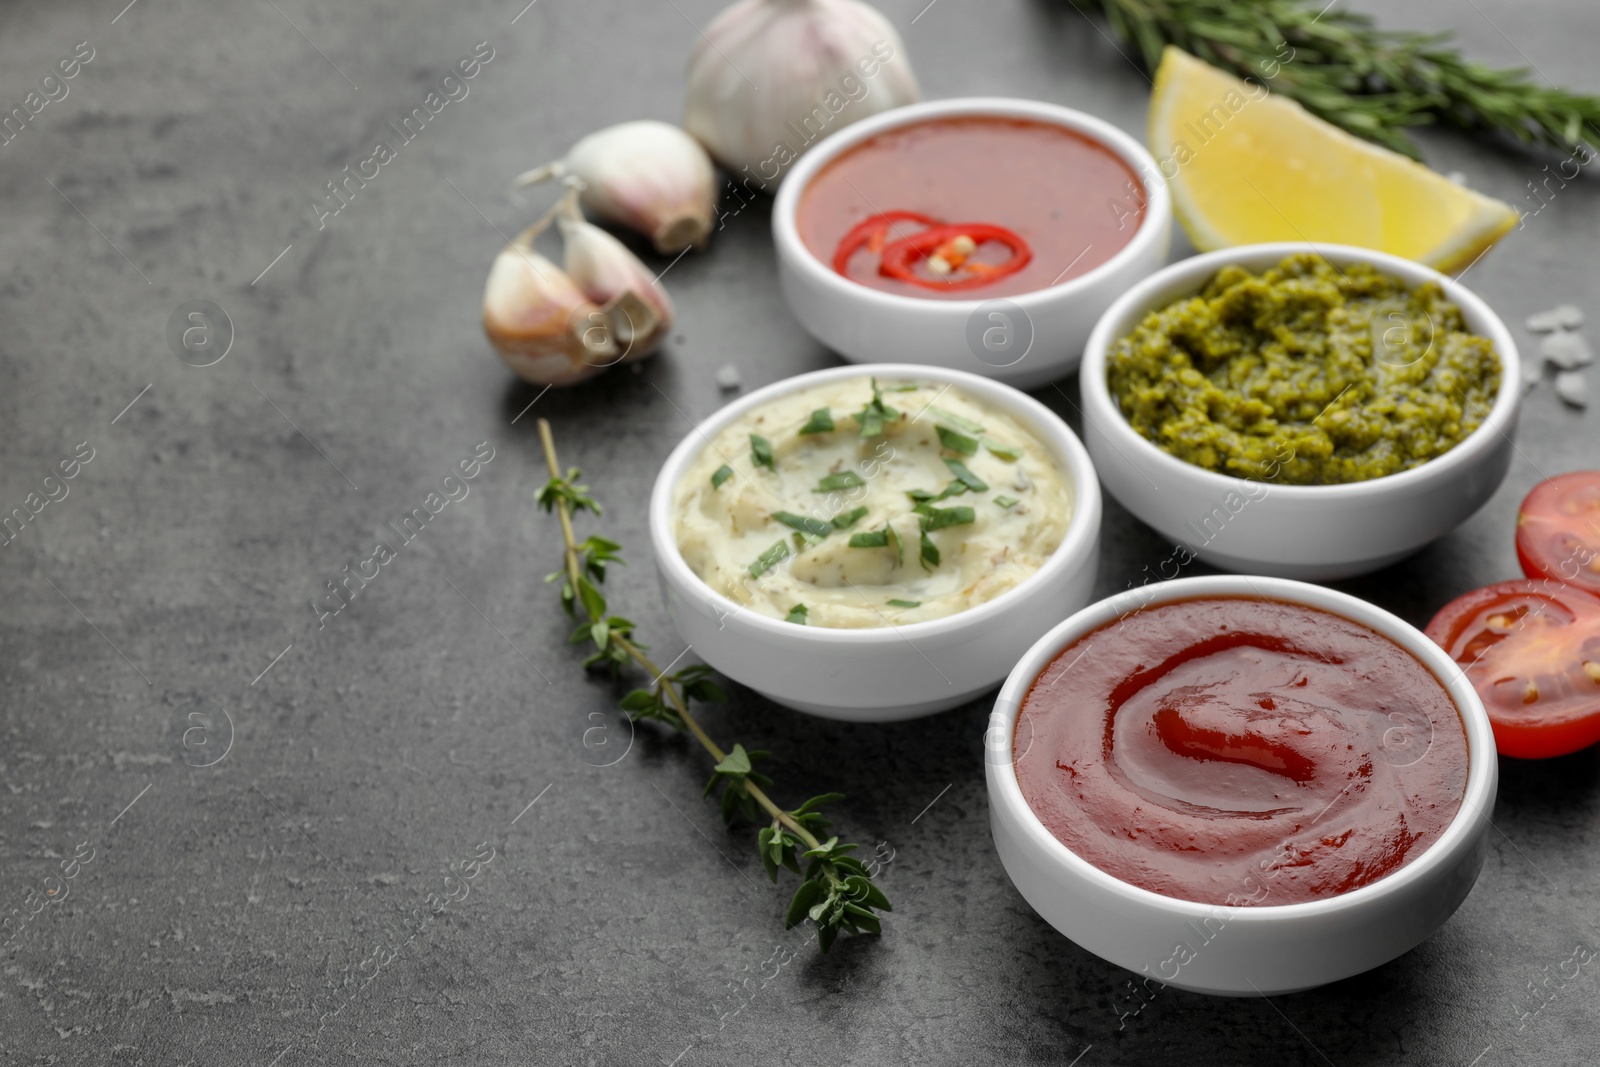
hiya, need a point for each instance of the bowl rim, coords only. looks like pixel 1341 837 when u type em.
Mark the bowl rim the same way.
pixel 1469 820
pixel 1141 298
pixel 1152 228
pixel 1081 535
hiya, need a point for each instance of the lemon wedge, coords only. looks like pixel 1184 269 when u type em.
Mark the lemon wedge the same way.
pixel 1247 166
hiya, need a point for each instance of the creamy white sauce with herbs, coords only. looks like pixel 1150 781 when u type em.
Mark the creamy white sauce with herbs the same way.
pixel 843 506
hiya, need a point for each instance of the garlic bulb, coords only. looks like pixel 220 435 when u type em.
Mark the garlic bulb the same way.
pixel 646 175
pixel 610 275
pixel 768 78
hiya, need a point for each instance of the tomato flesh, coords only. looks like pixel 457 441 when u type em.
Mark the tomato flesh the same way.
pixel 1532 651
pixel 1558 530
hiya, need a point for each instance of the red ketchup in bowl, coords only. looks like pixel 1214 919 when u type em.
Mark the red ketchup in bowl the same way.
pixel 971 208
pixel 1241 751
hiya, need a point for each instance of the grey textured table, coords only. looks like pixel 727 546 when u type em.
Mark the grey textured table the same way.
pixel 157 617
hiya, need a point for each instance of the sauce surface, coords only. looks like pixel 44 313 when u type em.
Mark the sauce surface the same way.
pixel 1241 751
pixel 1305 374
pixel 939 503
pixel 1074 201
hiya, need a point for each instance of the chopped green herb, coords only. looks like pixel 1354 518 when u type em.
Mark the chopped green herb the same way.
pixel 952 419
pixel 872 417
pixel 905 603
pixel 957 442
pixel 930 552
pixel 964 476
pixel 849 518
pixel 761 452
pixel 1009 453
pixel 884 538
pixel 804 523
pixel 720 475
pixel 846 479
pixel 938 518
pixel 922 496
pixel 1006 501
pixel 797 614
pixel 768 559
pixel 821 421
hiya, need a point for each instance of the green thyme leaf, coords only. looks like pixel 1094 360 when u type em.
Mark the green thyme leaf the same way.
pixel 894 539
pixel 965 476
pixel 949 418
pixel 735 763
pixel 596 552
pixel 589 596
pixel 1009 453
pixel 1006 501
pixel 939 518
pixel 930 552
pixel 808 894
pixel 768 559
pixel 821 421
pixel 804 523
pixel 957 442
pixel 847 519
pixel 845 479
pixel 639 700
pixel 797 614
pixel 761 452
pixel 871 539
pixel 904 603
pixel 567 489
pixel 720 475
pixel 817 802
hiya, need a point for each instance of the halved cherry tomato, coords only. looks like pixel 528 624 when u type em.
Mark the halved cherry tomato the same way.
pixel 871 233
pixel 1558 530
pixel 1532 651
pixel 900 259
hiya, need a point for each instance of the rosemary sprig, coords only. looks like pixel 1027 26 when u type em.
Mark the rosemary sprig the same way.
pixel 835 892
pixel 1374 83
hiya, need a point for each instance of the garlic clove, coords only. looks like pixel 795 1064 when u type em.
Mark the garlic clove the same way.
pixel 541 323
pixel 636 326
pixel 649 176
pixel 603 268
pixel 768 78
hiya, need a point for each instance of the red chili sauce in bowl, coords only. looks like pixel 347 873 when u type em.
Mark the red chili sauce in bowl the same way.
pixel 1241 751
pixel 971 208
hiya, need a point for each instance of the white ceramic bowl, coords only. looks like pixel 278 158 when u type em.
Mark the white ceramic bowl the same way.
pixel 892 672
pixel 1256 950
pixel 1314 532
pixel 1023 340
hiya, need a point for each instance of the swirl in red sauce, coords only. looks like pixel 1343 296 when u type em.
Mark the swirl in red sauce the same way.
pixel 1241 751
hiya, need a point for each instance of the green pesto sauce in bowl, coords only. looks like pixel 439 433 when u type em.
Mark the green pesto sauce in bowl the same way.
pixel 1305 374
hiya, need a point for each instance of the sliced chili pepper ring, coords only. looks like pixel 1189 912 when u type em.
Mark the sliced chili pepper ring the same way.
pixel 900 258
pixel 870 232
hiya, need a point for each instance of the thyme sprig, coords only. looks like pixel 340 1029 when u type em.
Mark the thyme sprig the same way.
pixel 1374 83
pixel 836 892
